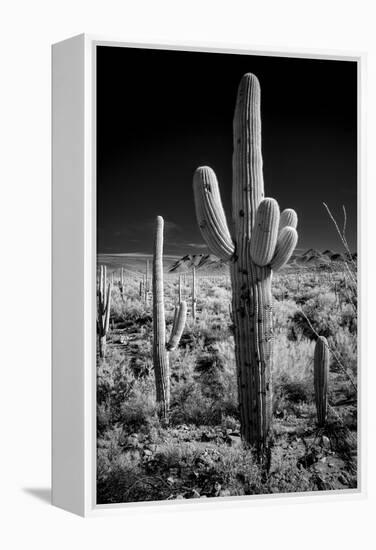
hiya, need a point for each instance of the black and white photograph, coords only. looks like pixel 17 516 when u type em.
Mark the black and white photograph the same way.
pixel 226 296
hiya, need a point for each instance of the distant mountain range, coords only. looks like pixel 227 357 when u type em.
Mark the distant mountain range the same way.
pixel 211 264
pixel 322 258
pixel 206 261
pixel 309 258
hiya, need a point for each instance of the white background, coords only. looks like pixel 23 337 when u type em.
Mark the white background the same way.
pixel 27 30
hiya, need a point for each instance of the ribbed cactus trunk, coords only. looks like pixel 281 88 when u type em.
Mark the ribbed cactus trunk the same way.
pixel 160 355
pixel 262 240
pixel 320 376
pixel 251 284
pixel 161 348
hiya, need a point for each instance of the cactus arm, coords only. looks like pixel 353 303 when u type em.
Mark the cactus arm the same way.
pixel 176 312
pixel 210 214
pixel 320 373
pixel 286 244
pixel 178 326
pixel 288 218
pixel 265 232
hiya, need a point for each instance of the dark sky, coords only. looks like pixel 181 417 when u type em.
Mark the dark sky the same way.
pixel 161 114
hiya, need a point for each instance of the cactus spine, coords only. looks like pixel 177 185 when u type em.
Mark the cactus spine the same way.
pixel 257 246
pixel 320 376
pixel 161 349
pixel 104 307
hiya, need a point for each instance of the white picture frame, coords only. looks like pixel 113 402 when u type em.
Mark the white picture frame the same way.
pixel 74 273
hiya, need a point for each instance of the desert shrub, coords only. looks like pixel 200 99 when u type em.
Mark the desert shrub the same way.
pixel 190 406
pixel 140 410
pixel 216 301
pixel 208 470
pixel 293 369
pixel 283 318
pixel 324 316
pixel 121 395
pixel 124 480
pixel 104 416
pixel 129 310
pixel 344 344
pixel 204 385
pixel 115 380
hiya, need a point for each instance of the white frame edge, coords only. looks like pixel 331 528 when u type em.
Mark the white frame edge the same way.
pixel 74 273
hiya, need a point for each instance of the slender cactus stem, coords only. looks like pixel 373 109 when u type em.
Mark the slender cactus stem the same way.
pixel 161 348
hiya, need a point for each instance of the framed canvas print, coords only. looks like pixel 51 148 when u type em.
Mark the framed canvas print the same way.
pixel 205 275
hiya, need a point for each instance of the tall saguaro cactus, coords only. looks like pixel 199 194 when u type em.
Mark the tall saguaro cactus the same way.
pixel 104 305
pixel 161 348
pixel 261 241
pixel 320 378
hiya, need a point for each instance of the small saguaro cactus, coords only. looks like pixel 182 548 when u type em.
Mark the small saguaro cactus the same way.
pixel 122 283
pixel 146 283
pixel 320 377
pixel 261 241
pixel 194 301
pixel 104 306
pixel 161 348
